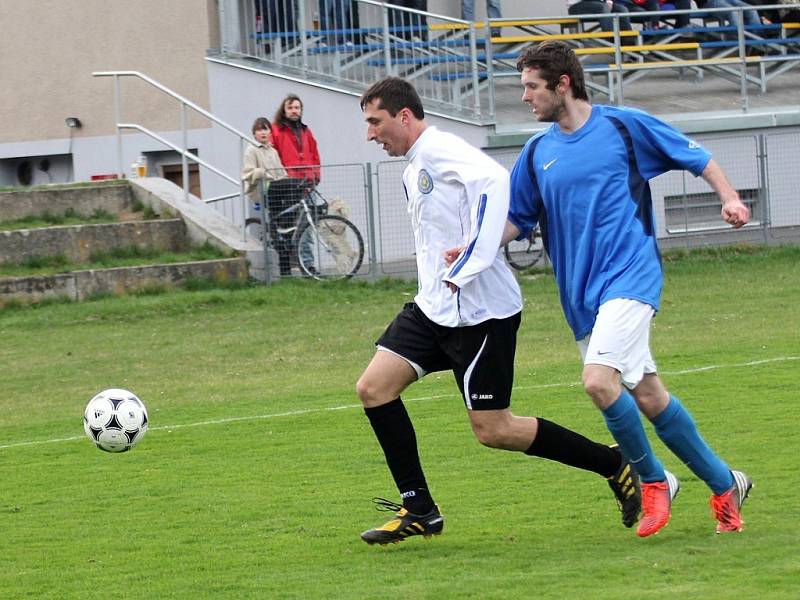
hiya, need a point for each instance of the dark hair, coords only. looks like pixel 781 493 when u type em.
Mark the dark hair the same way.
pixel 553 59
pixel 261 123
pixel 280 114
pixel 393 95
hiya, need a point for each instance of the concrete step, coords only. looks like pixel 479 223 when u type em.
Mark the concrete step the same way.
pixel 83 200
pixel 80 285
pixel 79 242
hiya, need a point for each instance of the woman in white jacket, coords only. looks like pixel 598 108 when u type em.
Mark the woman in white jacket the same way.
pixel 261 162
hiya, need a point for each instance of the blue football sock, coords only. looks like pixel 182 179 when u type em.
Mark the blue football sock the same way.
pixel 623 421
pixel 677 430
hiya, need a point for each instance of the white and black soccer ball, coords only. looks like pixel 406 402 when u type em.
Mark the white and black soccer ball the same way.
pixel 115 420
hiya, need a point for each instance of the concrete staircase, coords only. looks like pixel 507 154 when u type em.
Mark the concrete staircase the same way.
pixel 182 224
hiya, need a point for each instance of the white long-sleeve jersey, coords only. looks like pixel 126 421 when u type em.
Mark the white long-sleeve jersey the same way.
pixel 458 196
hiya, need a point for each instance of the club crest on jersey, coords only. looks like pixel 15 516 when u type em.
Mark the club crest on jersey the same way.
pixel 424 182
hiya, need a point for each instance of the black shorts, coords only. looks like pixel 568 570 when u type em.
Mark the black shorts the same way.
pixel 480 356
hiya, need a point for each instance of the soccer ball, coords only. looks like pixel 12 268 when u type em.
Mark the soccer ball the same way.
pixel 115 420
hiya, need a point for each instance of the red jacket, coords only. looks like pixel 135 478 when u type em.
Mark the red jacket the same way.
pixel 301 160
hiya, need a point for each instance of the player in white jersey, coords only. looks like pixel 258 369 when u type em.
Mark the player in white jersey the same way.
pixel 464 318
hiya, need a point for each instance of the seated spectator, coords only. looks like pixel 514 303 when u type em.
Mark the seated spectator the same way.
pixel 595 7
pixel 750 16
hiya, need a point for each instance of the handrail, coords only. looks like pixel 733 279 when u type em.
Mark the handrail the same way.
pixel 184 152
pixel 177 96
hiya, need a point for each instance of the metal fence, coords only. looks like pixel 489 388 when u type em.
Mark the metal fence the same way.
pixel 761 167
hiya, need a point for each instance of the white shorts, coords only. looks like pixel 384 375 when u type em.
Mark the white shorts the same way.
pixel 620 339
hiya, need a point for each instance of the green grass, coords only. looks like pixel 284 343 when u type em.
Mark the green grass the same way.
pixel 127 256
pixel 256 476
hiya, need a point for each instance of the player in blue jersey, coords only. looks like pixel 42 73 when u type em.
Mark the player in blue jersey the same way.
pixel 584 181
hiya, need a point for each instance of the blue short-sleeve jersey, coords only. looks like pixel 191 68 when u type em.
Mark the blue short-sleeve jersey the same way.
pixel 590 195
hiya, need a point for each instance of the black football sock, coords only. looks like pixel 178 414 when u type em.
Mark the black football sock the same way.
pixel 395 433
pixel 565 446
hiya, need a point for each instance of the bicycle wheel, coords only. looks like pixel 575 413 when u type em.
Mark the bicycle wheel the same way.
pixel 524 254
pixel 330 249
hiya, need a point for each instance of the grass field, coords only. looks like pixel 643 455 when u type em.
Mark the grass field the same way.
pixel 256 476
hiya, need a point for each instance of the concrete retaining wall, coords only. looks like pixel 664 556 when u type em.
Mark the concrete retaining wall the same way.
pixel 78 242
pixel 113 199
pixel 80 285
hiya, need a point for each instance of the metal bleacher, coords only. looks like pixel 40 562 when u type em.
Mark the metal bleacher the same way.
pixel 457 65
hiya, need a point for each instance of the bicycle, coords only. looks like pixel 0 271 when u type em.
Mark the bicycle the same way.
pixel 526 253
pixel 324 246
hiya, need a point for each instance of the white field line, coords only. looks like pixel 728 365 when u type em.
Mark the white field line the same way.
pixel 304 411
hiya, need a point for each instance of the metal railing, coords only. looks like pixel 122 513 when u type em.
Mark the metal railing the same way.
pixel 356 48
pixel 183 150
pixel 455 64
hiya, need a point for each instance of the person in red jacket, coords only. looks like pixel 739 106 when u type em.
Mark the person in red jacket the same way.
pixel 294 141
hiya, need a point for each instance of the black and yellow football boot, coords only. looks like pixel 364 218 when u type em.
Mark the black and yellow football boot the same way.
pixel 627 490
pixel 404 524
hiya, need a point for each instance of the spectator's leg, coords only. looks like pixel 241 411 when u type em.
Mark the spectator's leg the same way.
pixel 633 8
pixel 724 17
pixel 593 7
pixel 468 10
pixel 750 16
pixel 493 12
pixel 682 20
pixel 648 6
pixel 624 22
pixel 282 195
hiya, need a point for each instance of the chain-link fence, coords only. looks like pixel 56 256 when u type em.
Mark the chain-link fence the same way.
pixel 783 185
pixel 395 249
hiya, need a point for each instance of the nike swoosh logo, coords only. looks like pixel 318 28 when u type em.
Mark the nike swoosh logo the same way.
pixel 548 165
pixel 602 353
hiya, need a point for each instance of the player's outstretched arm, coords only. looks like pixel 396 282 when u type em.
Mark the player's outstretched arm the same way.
pixel 734 211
